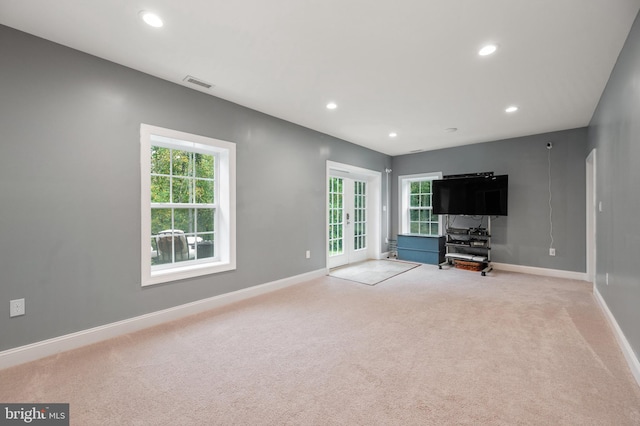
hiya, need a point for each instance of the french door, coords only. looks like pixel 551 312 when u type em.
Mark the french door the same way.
pixel 348 221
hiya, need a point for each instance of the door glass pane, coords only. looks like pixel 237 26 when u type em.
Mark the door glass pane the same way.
pixel 359 220
pixel 336 215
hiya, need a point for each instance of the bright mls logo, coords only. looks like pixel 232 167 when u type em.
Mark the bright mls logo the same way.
pixel 35 414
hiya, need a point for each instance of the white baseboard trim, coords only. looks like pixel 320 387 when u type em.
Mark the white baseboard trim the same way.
pixel 629 355
pixel 37 350
pixel 556 273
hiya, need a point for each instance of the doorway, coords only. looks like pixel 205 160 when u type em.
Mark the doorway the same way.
pixel 353 218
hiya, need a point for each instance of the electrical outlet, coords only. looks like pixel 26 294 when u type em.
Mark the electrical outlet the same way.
pixel 552 252
pixel 17 308
pixel 308 254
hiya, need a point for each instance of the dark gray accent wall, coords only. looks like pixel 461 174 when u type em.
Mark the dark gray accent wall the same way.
pixel 70 189
pixel 614 132
pixel 522 237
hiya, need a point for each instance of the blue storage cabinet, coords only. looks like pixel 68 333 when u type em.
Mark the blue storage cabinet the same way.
pixel 421 248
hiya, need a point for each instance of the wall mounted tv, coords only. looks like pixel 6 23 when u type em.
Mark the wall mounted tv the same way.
pixel 471 195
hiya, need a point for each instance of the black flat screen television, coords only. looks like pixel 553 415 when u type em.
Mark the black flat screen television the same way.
pixel 473 196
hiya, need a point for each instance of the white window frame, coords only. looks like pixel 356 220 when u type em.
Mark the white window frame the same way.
pixel 404 193
pixel 225 224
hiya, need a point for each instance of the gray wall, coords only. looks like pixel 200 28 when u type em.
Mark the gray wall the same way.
pixel 522 237
pixel 615 134
pixel 70 189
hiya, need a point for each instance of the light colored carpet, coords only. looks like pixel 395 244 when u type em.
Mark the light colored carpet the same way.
pixel 431 348
pixel 372 272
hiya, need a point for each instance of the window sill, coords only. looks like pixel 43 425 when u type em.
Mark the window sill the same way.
pixel 191 271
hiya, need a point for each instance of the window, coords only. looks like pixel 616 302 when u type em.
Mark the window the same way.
pixel 416 215
pixel 188 205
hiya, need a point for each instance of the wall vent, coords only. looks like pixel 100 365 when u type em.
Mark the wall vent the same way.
pixel 198 82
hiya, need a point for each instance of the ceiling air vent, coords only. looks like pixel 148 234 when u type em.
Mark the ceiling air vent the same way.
pixel 197 82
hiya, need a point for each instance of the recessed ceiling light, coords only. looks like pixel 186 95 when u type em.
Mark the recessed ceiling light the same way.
pixel 451 129
pixel 393 134
pixel 151 19
pixel 487 50
pixel 332 105
pixel 512 108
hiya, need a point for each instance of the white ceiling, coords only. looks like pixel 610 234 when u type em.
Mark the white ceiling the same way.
pixel 405 66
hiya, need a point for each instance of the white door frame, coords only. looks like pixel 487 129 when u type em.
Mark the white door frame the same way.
pixel 591 216
pixel 374 188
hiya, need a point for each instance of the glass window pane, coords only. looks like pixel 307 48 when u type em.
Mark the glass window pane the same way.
pixel 182 163
pixel 154 252
pixel 205 166
pixel 415 201
pixel 160 160
pixel 434 229
pixel 160 189
pixel 160 220
pixel 415 227
pixel 205 220
pixel 204 191
pixel 181 248
pixel 182 190
pixel 203 247
pixel 427 215
pixel 164 249
pixel 172 247
pixel 425 186
pixel 415 187
pixel 184 220
pixel 414 215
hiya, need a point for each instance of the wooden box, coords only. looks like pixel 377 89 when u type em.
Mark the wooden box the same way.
pixel 469 266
